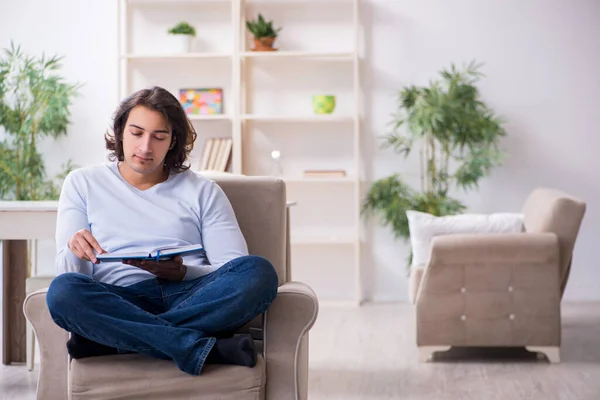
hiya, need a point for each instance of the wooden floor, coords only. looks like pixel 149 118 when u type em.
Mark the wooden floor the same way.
pixel 373 356
pixel 370 353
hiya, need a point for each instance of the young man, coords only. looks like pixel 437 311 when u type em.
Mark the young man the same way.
pixel 184 309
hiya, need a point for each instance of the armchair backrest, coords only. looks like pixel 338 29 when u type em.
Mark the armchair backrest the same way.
pixel 260 208
pixel 549 210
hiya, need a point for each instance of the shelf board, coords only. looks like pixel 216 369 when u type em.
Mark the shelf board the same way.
pixel 171 2
pixel 288 3
pixel 304 118
pixel 342 56
pixel 213 117
pixel 348 180
pixel 175 56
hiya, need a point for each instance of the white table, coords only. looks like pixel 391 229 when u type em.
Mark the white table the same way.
pixel 19 221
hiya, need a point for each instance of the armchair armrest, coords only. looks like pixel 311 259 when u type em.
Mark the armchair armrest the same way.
pixel 491 262
pixel 494 247
pixel 288 320
pixel 53 376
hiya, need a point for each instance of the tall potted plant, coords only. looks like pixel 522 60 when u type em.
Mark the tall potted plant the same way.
pixel 457 136
pixel 34 103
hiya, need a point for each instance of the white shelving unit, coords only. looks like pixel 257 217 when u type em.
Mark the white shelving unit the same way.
pixel 267 106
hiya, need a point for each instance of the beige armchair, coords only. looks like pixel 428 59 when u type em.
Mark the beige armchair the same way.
pixel 282 368
pixel 501 289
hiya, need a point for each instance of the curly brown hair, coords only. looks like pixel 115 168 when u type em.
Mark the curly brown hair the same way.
pixel 161 100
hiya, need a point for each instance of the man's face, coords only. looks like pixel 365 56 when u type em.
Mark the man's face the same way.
pixel 147 138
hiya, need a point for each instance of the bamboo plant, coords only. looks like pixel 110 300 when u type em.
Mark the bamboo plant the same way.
pixel 34 104
pixel 457 136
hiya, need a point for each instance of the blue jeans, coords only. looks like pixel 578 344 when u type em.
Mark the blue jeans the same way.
pixel 165 319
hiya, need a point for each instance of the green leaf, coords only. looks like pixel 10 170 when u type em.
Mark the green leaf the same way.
pixel 389 199
pixel 260 28
pixel 399 143
pixel 182 28
pixel 478 163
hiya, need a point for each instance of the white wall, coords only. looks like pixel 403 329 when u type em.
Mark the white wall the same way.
pixel 541 61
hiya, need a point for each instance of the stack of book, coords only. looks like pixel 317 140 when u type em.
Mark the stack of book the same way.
pixel 216 155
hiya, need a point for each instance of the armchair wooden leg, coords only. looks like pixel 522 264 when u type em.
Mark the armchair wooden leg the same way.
pixel 553 353
pixel 426 352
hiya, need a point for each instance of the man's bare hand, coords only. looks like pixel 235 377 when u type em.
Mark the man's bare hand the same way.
pixel 172 269
pixel 83 244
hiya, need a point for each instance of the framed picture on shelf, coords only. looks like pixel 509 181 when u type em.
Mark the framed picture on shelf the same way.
pixel 207 101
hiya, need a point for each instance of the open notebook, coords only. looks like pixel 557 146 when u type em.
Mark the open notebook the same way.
pixel 160 253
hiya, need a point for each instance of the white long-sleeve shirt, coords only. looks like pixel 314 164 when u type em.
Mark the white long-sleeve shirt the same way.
pixel 185 209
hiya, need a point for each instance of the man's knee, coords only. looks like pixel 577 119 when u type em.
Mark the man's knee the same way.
pixel 262 267
pixel 263 274
pixel 63 291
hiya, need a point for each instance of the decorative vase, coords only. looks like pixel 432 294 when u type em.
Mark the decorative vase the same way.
pixel 264 44
pixel 179 44
pixel 323 104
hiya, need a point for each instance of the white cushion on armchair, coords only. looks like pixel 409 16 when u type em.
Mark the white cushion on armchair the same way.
pixel 424 227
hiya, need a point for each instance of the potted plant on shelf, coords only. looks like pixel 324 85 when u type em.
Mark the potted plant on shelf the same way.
pixel 182 35
pixel 263 32
pixel 451 126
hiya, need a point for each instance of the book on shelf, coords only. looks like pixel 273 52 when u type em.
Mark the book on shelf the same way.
pixel 157 254
pixel 324 173
pixel 216 155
